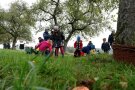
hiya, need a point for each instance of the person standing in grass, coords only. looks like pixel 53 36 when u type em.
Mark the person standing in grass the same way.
pixel 105 46
pixel 111 38
pixel 78 47
pixel 58 40
pixel 46 35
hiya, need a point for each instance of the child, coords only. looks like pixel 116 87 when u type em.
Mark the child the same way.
pixel 45 45
pixel 46 35
pixel 105 46
pixel 40 39
pixel 90 48
pixel 86 49
pixel 78 46
pixel 111 38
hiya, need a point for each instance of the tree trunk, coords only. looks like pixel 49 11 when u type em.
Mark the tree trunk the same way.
pixel 67 39
pixel 55 20
pixel 14 42
pixel 125 34
pixel 65 45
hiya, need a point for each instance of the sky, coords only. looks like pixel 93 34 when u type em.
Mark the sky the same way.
pixel 97 40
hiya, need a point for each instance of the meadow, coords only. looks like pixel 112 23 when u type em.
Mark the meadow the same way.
pixel 21 71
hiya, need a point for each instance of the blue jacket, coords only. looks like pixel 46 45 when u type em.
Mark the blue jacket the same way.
pixel 87 48
pixel 105 47
pixel 46 35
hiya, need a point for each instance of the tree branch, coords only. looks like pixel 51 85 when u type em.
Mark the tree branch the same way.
pixel 7 30
pixel 55 12
pixel 46 19
pixel 46 11
pixel 84 27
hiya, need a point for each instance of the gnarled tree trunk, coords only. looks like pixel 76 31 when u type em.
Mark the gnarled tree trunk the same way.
pixel 124 49
pixel 125 34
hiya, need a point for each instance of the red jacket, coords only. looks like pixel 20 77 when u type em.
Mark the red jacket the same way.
pixel 78 45
pixel 44 45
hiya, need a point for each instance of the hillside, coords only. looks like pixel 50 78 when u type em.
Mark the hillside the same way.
pixel 19 71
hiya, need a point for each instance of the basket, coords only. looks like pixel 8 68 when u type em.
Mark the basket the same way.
pixel 124 53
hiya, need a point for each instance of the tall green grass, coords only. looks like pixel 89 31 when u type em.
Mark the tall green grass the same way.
pixel 19 72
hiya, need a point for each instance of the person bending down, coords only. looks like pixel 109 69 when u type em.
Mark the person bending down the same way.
pixel 45 45
pixel 58 40
pixel 90 48
pixel 86 49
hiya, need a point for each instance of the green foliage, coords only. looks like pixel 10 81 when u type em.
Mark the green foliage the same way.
pixel 19 72
pixel 17 21
pixel 87 17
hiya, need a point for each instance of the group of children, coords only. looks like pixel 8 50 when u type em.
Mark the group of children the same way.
pixel 80 50
pixel 56 40
pixel 50 41
pixel 106 45
pixel 90 48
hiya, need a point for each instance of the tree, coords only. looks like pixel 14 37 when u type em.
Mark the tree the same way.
pixel 125 34
pixel 17 22
pixel 75 16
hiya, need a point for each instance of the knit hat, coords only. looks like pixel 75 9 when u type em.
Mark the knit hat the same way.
pixel 56 28
pixel 78 38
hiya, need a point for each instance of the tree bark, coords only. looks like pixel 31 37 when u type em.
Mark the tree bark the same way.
pixel 65 45
pixel 55 20
pixel 125 34
pixel 67 39
pixel 14 42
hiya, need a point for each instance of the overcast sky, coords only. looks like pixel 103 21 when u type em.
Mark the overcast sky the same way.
pixel 96 40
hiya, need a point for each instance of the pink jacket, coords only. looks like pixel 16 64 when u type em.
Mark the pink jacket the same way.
pixel 44 45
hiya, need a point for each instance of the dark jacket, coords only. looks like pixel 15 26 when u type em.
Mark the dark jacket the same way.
pixel 111 39
pixel 92 46
pixel 86 49
pixel 46 35
pixel 58 39
pixel 105 47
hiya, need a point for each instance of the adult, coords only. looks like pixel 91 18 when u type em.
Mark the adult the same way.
pixel 111 38
pixel 58 40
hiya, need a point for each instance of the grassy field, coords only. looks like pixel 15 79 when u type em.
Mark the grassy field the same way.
pixel 19 71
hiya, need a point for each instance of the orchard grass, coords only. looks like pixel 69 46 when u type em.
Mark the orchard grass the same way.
pixel 19 71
